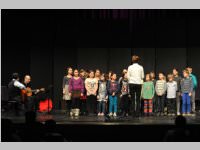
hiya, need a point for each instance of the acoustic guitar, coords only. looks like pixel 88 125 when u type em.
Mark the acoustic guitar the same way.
pixel 29 92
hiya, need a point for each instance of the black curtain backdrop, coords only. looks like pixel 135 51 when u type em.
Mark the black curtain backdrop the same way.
pixel 44 43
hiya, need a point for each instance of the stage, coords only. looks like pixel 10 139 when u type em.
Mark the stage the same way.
pixel 61 118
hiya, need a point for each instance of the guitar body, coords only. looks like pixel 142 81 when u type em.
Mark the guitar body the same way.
pixel 26 93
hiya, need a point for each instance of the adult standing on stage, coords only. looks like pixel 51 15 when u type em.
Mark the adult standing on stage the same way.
pixel 135 79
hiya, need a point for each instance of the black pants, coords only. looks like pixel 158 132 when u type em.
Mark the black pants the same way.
pixel 83 106
pixel 68 105
pixel 155 101
pixel 135 91
pixel 76 103
pixel 124 104
pixel 30 103
pixel 161 103
pixel 171 105
pixel 91 104
pixel 18 104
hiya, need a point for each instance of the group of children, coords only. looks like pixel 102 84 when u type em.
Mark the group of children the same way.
pixel 167 93
pixel 94 93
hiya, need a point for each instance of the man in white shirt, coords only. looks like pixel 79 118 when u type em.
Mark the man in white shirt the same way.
pixel 135 79
pixel 14 91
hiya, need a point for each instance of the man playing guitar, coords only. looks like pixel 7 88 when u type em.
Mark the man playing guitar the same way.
pixel 28 95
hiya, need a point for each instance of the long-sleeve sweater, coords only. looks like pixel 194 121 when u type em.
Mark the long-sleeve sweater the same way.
pixel 186 85
pixel 178 81
pixel 113 87
pixel 65 81
pixel 171 89
pixel 135 74
pixel 148 90
pixel 76 84
pixel 124 87
pixel 102 90
pixel 161 87
pixel 91 85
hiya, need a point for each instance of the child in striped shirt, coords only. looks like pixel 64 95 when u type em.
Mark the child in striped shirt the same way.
pixel 161 88
pixel 186 92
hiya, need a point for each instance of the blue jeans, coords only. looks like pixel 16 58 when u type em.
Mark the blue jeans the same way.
pixel 101 107
pixel 186 107
pixel 113 103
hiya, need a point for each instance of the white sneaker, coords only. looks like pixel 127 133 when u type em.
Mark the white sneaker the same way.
pixel 178 113
pixel 110 114
pixel 115 115
pixel 99 114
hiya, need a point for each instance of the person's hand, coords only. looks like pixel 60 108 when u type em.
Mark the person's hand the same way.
pixel 120 95
pixel 81 94
pixel 129 96
pixel 113 94
pixel 190 94
pixel 106 97
pixel 63 91
pixel 179 93
pixel 70 94
pixel 97 96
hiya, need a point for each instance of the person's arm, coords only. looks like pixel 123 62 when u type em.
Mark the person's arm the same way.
pixel 96 87
pixel 142 73
pixel 156 88
pixel 165 88
pixel 128 73
pixel 108 87
pixel 176 86
pixel 70 85
pixel 82 86
pixel 195 82
pixel 86 85
pixel 118 88
pixel 19 85
pixel 153 90
pixel 63 85
pixel 181 84
pixel 191 87
pixel 142 91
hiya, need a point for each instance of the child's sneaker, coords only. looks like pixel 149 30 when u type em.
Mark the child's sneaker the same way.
pixel 183 114
pixel 110 114
pixel 99 114
pixel 189 114
pixel 115 115
pixel 126 114
pixel 178 113
pixel 102 114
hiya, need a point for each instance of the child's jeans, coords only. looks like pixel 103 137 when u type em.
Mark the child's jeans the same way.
pixel 112 103
pixel 186 107
pixel 101 106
